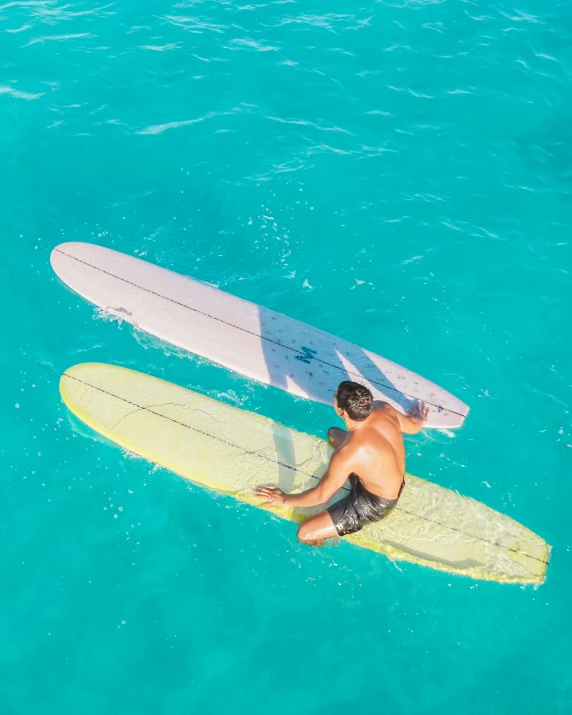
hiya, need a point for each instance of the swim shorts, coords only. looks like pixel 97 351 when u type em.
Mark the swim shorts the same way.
pixel 360 508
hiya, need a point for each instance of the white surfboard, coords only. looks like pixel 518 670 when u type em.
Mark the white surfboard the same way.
pixel 247 338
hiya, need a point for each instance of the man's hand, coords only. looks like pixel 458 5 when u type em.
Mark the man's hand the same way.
pixel 273 495
pixel 413 421
pixel 418 411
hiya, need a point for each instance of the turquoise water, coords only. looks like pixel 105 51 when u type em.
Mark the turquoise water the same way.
pixel 396 173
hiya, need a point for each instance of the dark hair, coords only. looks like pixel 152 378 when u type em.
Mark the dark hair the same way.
pixel 355 399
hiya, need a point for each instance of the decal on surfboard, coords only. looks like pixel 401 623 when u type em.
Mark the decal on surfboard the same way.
pixel 308 355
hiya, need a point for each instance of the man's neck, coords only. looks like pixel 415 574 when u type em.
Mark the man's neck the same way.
pixel 351 425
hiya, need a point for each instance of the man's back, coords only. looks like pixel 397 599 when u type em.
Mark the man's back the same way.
pixel 376 453
pixel 371 454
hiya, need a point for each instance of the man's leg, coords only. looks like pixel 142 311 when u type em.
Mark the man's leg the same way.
pixel 315 530
pixel 336 436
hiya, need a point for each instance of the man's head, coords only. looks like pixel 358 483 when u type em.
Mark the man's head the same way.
pixel 353 399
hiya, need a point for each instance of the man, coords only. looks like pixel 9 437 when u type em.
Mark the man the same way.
pixel 371 453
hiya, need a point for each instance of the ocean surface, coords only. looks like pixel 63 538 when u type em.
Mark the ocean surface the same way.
pixel 398 173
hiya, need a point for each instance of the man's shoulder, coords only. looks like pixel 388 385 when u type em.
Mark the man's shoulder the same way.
pixel 384 411
pixel 347 450
pixel 356 443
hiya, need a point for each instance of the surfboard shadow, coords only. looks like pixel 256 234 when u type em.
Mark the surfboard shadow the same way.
pixel 315 372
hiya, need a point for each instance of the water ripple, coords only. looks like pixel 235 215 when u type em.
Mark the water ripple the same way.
pixel 246 43
pixel 160 128
pixel 162 48
pixel 195 24
pixel 303 123
pixel 19 94
pixel 60 38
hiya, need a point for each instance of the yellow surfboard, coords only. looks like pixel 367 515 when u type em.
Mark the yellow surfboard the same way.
pixel 232 451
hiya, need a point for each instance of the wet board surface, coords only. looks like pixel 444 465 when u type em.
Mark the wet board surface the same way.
pixel 232 451
pixel 247 338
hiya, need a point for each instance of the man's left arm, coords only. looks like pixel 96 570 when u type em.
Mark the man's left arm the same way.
pixel 334 478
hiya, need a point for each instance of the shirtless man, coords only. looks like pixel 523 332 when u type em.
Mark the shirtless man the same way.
pixel 371 448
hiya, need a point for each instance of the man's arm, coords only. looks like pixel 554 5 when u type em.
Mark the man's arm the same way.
pixel 334 478
pixel 413 421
